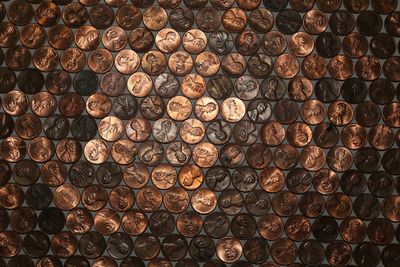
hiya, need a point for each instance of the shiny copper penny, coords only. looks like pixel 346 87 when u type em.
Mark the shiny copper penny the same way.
pixel 114 38
pixel 66 197
pixel 96 151
pixel 193 86
pixel 100 60
pixel 190 177
pixel 234 19
pixel 176 199
pixel 73 60
pixel 229 249
pixel 155 18
pixel 180 63
pixel 134 222
pixel 286 66
pixel 149 199
pixel 232 109
pixel 315 21
pixel 87 38
pixel 168 40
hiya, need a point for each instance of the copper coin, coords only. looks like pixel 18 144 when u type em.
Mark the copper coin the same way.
pixel 203 200
pixel 111 128
pixel 312 111
pixel 163 176
pixel 74 15
pixel 206 108
pixel 284 251
pixel 60 37
pixel 68 150
pixel 96 151
pixel 233 109
pixel 271 179
pixel 128 16
pixel 207 64
pixel 79 221
pixel 234 19
pixel 101 16
pixel 284 203
pixel 107 221
pixel 155 18
pixel 181 19
pixel 179 108
pixel 338 253
pixel 151 153
pixel 136 175
pixel 114 38
pixel 272 133
pixel 134 222
pixel 270 226
pixel 274 43
pixel 141 40
pixel 154 62
pixel 315 21
pixel 138 129
pixel 13 149
pixel 12 245
pixel 87 38
pixel 180 63
pixel 205 154
pixel 20 12
pixel 54 173
pixel 100 60
pixel 66 197
pixel 149 199
pixel 28 126
pixel 140 84
pixel 260 19
pixel 229 249
pixel 208 19
pixel 221 42
pixel 298 180
pixel 233 64
pixel 15 103
pixel 286 66
pixel 176 200
pixel 32 36
pixel 340 113
pixel 73 60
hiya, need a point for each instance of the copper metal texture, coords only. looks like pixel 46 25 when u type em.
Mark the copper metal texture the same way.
pixel 199 133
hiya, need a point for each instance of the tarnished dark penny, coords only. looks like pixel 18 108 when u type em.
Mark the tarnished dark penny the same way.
pixel 141 40
pixel 369 23
pixel 64 244
pixel 284 251
pixel 338 253
pixel 147 246
pixel 92 245
pixel 74 15
pixel 181 19
pixel 12 243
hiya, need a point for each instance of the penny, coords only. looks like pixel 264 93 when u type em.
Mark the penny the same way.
pixel 354 136
pixel 207 64
pixel 286 111
pixel 92 245
pixel 142 249
pixel 205 154
pixel 104 261
pixel 369 23
pixel 101 16
pixel 163 176
pixel 325 229
pixel 245 133
pixel 114 38
pixel 367 160
pixel 9 81
pixel 272 133
pixel 32 36
pixel 27 126
pixel 286 66
pixel 49 260
pixel 339 205
pixel 79 221
pixel 149 199
pixel 234 19
pixel 96 151
pixel 192 131
pixel 390 23
pixel 155 18
pixel 367 113
pixel 222 5
pixel 338 253
pixel 128 16
pixel 151 153
pixel 178 153
pixel 106 221
pixel 353 182
pixel 23 220
pixel 13 149
pixel 76 260
pixel 208 19
pixel 87 38
pixel 206 109
pixel 72 60
pixel 100 60
pixel 232 109
pixel 189 223
pixel 380 231
pixel 229 249
pixel 12 245
pixel 233 64
pixel 301 44
pixel 381 137
pixel 181 19
pixel 20 12
pixel 298 228
pixel 284 251
pixel 138 129
pixel 64 244
pixel 353 230
pixel 171 250
pixel 271 179
pixel 176 200
pixel 166 85
pixel 154 62
pixel 357 6
pixel 74 15
pixel 366 206
pixel 328 44
pixel 311 252
pixel 60 37
pixel 202 248
pixel 270 226
pixel 288 21
pixel 134 222
pixel 180 63
pixel 388 208
pixel 284 203
pixel 221 42
pixel 315 22
pixel 66 197
pixel 58 82
pixel 53 173
pixel 298 180
pixel 83 128
pixel 15 103
pixel 246 87
pixel 141 39
pixel 285 156
pixel 261 19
